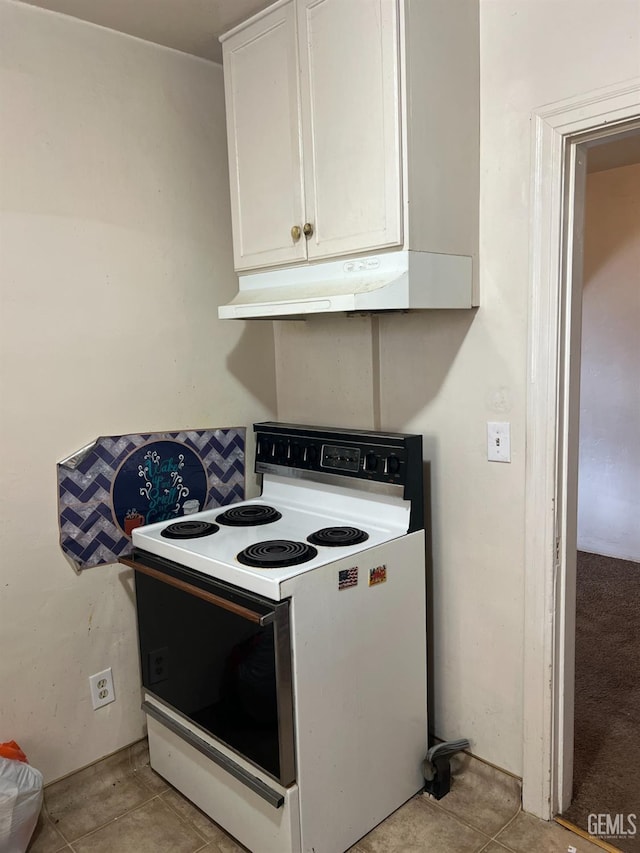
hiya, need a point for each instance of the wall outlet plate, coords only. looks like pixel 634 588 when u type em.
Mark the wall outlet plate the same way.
pixel 101 685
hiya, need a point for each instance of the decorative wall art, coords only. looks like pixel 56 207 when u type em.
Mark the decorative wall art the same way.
pixel 118 483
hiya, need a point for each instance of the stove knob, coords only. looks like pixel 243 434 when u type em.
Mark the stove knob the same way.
pixel 296 452
pixel 311 454
pixel 392 465
pixel 370 462
pixel 280 449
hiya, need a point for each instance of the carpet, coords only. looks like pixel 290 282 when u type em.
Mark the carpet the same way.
pixel 606 772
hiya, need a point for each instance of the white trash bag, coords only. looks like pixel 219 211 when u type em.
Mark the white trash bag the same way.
pixel 20 804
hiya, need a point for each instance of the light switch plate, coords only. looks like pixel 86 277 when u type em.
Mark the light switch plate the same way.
pixel 498 441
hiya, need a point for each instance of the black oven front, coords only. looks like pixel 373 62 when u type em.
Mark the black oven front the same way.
pixel 220 657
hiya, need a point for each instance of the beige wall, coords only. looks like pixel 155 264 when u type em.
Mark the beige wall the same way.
pixel 609 476
pixel 115 252
pixel 445 374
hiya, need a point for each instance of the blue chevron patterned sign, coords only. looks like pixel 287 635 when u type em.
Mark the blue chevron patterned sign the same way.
pixel 117 483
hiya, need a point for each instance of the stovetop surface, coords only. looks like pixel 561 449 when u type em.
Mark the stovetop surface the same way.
pixel 302 512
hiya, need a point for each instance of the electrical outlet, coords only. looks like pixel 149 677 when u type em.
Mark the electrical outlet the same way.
pixel 498 442
pixel 102 691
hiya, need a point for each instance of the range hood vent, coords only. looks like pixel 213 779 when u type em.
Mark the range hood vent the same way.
pixel 392 281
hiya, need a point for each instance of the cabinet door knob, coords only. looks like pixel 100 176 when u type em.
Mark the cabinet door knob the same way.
pixel 307 229
pixel 295 233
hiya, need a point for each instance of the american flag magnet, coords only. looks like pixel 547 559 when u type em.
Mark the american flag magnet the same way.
pixel 347 578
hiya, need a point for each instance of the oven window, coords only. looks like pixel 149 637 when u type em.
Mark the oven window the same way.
pixel 214 667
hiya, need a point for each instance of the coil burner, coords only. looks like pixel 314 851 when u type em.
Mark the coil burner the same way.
pixel 276 553
pixel 248 516
pixel 189 529
pixel 335 537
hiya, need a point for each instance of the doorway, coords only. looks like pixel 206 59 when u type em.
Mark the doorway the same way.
pixel 563 135
pixel 606 750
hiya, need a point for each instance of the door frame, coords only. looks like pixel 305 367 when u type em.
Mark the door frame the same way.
pixel 561 132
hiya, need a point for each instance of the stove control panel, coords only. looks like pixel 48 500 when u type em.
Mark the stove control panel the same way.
pixel 367 461
pixel 380 457
pixel 384 457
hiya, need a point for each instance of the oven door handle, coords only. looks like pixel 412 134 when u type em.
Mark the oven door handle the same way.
pixel 210 597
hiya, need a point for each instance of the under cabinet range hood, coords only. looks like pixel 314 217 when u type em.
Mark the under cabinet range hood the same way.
pixel 389 281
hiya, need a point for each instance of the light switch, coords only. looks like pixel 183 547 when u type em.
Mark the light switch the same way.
pixel 498 441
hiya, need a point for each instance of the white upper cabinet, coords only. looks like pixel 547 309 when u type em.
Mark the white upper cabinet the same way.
pixel 262 103
pixel 350 124
pixel 312 99
pixel 353 129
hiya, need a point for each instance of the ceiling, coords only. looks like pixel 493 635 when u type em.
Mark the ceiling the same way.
pixel 624 150
pixel 192 26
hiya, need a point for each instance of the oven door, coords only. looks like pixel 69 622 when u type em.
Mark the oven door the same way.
pixel 220 657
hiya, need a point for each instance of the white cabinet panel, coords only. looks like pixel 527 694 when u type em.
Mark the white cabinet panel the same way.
pixel 261 89
pixel 351 124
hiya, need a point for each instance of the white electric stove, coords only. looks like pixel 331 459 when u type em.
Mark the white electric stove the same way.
pixel 283 642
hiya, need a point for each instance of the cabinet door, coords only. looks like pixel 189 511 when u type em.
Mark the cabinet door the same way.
pixel 351 124
pixel 262 105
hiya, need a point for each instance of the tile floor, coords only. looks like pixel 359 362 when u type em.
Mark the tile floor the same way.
pixel 120 805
